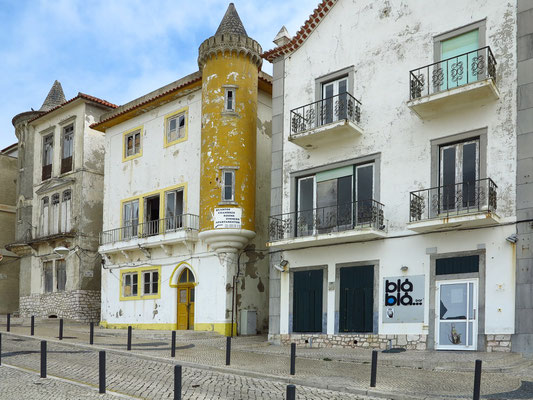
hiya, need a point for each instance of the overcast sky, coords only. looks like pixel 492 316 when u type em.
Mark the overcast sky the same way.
pixel 116 49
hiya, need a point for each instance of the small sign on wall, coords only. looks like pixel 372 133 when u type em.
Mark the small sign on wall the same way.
pixel 227 218
pixel 403 299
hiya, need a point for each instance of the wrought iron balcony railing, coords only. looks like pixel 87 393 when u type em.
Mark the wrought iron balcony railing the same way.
pixel 453 200
pixel 340 107
pixel 342 217
pixel 452 72
pixel 150 228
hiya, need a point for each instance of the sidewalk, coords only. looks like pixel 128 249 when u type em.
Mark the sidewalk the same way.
pixel 412 374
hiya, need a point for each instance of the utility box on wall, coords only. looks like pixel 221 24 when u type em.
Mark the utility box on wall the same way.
pixel 248 325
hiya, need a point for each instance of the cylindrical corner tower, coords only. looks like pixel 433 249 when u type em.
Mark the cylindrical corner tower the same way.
pixel 230 63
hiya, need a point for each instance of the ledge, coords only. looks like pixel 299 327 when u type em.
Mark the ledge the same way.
pixel 334 131
pixel 183 236
pixel 485 218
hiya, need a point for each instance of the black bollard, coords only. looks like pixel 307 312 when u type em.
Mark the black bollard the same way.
pixel 177 382
pixel 91 333
pixel 32 330
pixel 293 358
pixel 8 322
pixel 291 392
pixel 101 372
pixel 477 380
pixel 43 359
pixel 173 345
pixel 0 349
pixel 374 370
pixel 129 337
pixel 61 329
pixel 228 350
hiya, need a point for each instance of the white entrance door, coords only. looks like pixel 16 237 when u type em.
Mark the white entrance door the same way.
pixel 456 315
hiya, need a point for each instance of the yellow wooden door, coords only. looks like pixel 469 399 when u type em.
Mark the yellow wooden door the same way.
pixel 191 307
pixel 183 312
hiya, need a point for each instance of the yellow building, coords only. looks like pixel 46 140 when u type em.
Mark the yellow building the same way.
pixel 186 199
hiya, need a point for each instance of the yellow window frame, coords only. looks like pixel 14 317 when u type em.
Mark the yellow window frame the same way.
pixel 140 283
pixel 185 111
pixel 140 153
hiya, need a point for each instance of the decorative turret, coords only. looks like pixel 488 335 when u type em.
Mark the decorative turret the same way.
pixel 230 63
pixel 55 97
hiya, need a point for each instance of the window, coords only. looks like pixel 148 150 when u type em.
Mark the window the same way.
pixel 174 209
pixel 176 127
pixel 336 199
pixel 459 175
pixel 334 100
pixel 228 185
pixel 130 284
pixel 44 216
pixel 48 272
pixel 151 282
pixel 151 215
pixel 48 153
pixel 54 220
pixel 132 144
pixel 61 275
pixel 130 218
pixel 67 148
pixel 229 99
pixel 65 211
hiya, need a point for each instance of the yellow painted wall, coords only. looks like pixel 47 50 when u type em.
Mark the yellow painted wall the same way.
pixel 227 139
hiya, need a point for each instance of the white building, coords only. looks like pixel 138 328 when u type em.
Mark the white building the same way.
pixel 394 176
pixel 184 213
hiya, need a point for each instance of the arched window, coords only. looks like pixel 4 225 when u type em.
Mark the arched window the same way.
pixel 186 276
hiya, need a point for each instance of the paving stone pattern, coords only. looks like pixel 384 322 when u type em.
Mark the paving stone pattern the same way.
pixel 147 379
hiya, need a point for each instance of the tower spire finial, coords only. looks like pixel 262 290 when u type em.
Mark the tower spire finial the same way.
pixel 231 23
pixel 55 97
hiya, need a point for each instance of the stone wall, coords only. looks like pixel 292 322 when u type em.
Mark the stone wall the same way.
pixel 79 305
pixel 501 343
pixel 370 341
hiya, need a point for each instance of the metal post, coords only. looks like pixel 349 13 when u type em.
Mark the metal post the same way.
pixel 43 359
pixel 129 337
pixel 477 380
pixel 8 322
pixel 61 329
pixel 228 350
pixel 293 358
pixel 374 370
pixel 291 392
pixel 0 349
pixel 32 330
pixel 177 382
pixel 173 345
pixel 101 372
pixel 91 333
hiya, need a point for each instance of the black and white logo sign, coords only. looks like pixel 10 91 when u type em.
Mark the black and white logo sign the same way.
pixel 403 299
pixel 398 293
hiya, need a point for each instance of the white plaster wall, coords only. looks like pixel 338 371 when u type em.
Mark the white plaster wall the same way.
pixel 383 49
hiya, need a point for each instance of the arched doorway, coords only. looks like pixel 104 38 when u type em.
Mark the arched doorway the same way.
pixel 186 283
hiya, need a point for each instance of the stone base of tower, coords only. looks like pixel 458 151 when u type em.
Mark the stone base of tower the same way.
pixel 226 240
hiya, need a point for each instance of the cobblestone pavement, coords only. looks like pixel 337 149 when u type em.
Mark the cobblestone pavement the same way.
pixel 24 385
pixel 252 358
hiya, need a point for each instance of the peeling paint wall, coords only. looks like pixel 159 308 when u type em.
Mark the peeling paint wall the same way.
pixel 383 41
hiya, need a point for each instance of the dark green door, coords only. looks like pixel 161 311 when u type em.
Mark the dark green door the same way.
pixel 307 301
pixel 356 299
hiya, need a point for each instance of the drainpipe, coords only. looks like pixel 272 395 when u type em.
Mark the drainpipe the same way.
pixel 234 297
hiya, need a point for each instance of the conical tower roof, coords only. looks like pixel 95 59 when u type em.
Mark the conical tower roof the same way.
pixel 55 97
pixel 231 23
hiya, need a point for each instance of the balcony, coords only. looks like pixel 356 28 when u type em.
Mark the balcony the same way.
pixel 451 84
pixel 331 119
pixel 181 229
pixel 463 205
pixel 351 222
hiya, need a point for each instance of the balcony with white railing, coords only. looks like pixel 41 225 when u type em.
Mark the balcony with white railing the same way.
pixel 180 229
pixel 462 205
pixel 327 120
pixel 464 80
pixel 351 222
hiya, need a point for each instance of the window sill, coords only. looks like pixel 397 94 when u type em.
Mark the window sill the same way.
pixel 228 203
pixel 147 297
pixel 132 157
pixel 179 140
pixel 229 114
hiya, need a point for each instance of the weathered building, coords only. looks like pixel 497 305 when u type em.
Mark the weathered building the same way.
pixel 187 182
pixel 9 262
pixel 394 176
pixel 60 197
